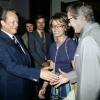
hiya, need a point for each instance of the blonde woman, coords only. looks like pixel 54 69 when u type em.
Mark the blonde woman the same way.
pixel 61 53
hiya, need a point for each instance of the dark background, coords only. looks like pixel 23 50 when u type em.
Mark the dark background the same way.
pixel 44 7
pixel 95 4
pixel 39 6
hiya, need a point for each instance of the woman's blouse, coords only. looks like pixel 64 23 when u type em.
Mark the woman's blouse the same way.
pixel 63 55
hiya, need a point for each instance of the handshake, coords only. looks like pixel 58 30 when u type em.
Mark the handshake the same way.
pixel 48 74
pixel 50 77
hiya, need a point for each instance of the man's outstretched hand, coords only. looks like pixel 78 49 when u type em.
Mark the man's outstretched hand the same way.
pixel 63 78
pixel 47 75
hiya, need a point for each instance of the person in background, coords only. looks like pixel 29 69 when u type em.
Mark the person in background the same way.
pixel 61 53
pixel 16 73
pixel 87 57
pixel 29 26
pixel 39 43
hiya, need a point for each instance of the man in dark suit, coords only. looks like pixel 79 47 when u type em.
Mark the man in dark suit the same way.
pixel 39 41
pixel 16 73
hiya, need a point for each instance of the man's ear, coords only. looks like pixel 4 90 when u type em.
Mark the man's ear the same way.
pixel 2 22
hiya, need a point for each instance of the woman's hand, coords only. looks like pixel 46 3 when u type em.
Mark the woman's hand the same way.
pixel 42 93
pixel 63 78
pixel 50 64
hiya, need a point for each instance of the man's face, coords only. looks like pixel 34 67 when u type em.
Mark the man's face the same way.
pixel 75 23
pixel 10 25
pixel 29 27
pixel 40 24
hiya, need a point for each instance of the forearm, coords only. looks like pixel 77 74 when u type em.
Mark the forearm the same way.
pixel 45 84
pixel 72 76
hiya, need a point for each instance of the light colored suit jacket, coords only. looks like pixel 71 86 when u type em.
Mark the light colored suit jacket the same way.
pixel 25 39
pixel 87 59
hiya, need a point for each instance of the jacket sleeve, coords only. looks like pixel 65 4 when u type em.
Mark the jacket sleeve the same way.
pixel 9 65
pixel 72 76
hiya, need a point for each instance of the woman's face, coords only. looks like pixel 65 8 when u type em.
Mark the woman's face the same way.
pixel 58 28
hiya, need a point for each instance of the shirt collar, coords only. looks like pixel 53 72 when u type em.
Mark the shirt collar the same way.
pixel 10 35
pixel 87 28
pixel 39 31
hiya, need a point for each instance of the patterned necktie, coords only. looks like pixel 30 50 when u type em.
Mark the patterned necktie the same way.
pixel 17 43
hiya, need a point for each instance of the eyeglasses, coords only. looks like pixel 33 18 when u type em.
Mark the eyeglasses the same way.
pixel 69 20
pixel 57 26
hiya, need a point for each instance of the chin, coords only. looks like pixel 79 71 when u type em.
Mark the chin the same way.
pixel 14 32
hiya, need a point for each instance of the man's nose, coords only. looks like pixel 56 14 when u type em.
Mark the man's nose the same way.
pixel 69 24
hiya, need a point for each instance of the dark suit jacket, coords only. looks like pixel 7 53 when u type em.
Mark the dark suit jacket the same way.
pixel 38 48
pixel 15 71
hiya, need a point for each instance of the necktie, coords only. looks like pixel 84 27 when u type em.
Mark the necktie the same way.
pixel 42 35
pixel 17 43
pixel 43 41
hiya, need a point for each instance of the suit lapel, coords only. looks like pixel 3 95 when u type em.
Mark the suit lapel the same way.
pixel 4 38
pixel 39 39
pixel 27 56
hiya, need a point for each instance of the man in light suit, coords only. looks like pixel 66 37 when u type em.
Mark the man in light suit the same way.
pixel 87 57
pixel 16 73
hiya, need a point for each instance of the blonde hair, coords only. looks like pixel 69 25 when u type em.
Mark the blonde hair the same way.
pixel 61 17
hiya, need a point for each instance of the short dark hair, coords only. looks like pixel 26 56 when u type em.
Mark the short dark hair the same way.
pixel 39 16
pixel 29 21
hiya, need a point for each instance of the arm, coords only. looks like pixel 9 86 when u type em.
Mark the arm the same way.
pixel 9 63
pixel 65 77
pixel 45 84
pixel 72 76
pixel 43 90
pixel 89 68
pixel 9 60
